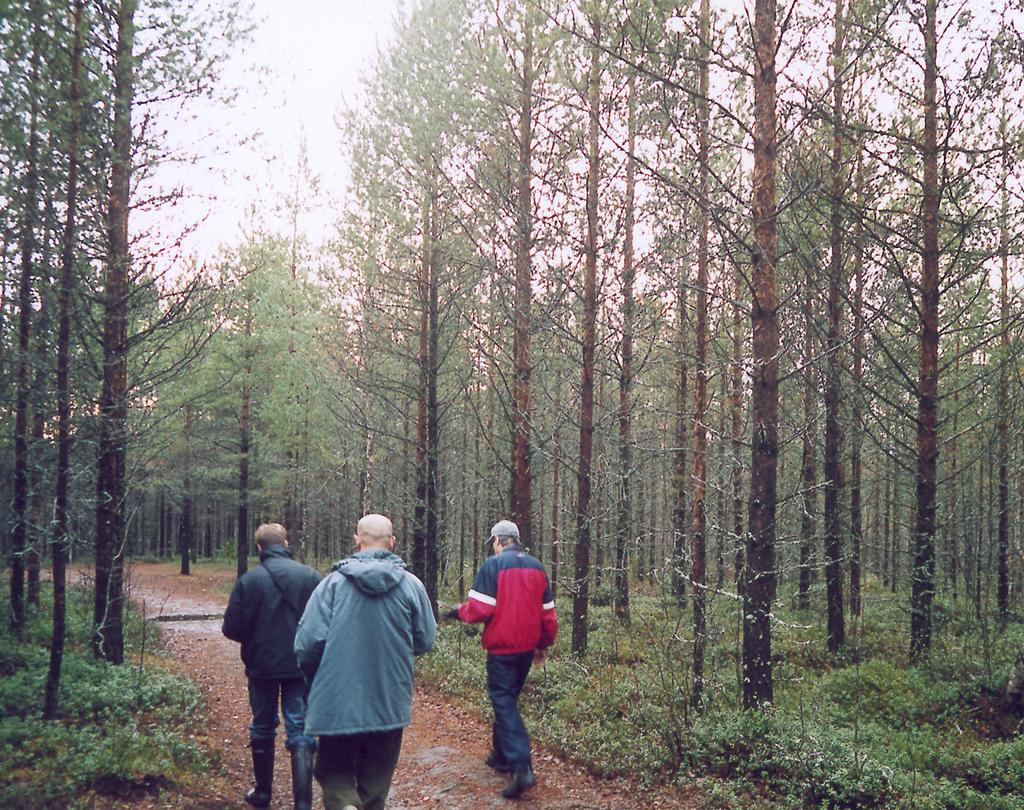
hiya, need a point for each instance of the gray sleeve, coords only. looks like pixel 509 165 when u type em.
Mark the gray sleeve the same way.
pixel 311 635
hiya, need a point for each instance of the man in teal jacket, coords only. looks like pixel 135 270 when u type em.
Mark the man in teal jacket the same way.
pixel 355 644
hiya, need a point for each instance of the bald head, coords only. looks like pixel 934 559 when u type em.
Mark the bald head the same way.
pixel 374 531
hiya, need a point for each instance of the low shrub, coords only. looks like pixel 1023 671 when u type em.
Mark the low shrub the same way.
pixel 122 730
pixel 861 730
pixel 812 766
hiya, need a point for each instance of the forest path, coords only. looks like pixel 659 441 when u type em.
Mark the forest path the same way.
pixel 442 752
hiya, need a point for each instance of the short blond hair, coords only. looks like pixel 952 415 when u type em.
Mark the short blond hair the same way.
pixel 271 534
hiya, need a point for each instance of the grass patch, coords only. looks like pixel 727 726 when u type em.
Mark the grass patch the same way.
pixel 123 731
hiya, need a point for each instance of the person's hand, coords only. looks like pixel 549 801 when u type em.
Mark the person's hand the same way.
pixel 540 656
pixel 447 612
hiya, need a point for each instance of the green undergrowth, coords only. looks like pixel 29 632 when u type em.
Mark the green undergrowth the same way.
pixel 860 730
pixel 123 731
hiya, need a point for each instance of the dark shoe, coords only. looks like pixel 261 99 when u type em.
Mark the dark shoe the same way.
pixel 302 777
pixel 497 762
pixel 263 771
pixel 520 782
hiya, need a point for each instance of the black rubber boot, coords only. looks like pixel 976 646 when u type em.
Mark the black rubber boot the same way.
pixel 302 777
pixel 521 781
pixel 497 762
pixel 263 771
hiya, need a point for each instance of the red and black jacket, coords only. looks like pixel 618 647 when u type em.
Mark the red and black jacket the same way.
pixel 511 595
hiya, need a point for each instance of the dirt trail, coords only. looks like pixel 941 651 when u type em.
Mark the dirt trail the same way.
pixel 442 751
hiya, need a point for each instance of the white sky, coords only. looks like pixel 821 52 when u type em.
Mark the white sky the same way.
pixel 304 60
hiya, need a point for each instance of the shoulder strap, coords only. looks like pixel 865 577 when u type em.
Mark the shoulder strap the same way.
pixel 284 594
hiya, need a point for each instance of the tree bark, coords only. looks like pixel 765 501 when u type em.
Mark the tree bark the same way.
pixel 244 442
pixel 833 392
pixel 1003 578
pixel 923 572
pixel 887 524
pixel 556 468
pixel 698 545
pixel 808 462
pixel 433 420
pixel 520 501
pixel 186 523
pixel 680 470
pixel 759 587
pixel 108 631
pixel 736 432
pixel 59 549
pixel 29 224
pixel 425 557
pixel 624 524
pixel 857 417
pixel 37 497
pixel 953 513
pixel 581 582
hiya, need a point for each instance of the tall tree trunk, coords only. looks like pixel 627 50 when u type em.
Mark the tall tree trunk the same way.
pixel 833 393
pixel 979 540
pixel 186 524
pixel 698 547
pixel 67 280
pixel 244 440
pixel 887 523
pixel 581 583
pixel 759 587
pixel 722 467
pixel 897 524
pixel 465 485
pixel 923 572
pixel 29 224
pixel 476 484
pixel 425 559
pixel 953 515
pixel 556 468
pixel 1003 579
pixel 808 464
pixel 209 518
pixel 857 418
pixel 624 524
pixel 736 432
pixel 520 501
pixel 108 631
pixel 37 498
pixel 433 419
pixel 419 531
pixel 680 470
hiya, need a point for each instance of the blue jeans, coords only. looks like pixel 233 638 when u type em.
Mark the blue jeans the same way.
pixel 506 675
pixel 263 697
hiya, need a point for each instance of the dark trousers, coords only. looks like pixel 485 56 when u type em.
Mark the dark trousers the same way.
pixel 264 694
pixel 356 769
pixel 506 675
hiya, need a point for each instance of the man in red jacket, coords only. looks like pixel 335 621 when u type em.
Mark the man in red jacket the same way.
pixel 513 599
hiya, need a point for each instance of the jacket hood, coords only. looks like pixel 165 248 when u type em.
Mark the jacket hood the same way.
pixel 374 572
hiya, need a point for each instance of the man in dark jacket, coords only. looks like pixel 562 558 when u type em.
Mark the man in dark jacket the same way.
pixel 356 642
pixel 512 597
pixel 263 613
